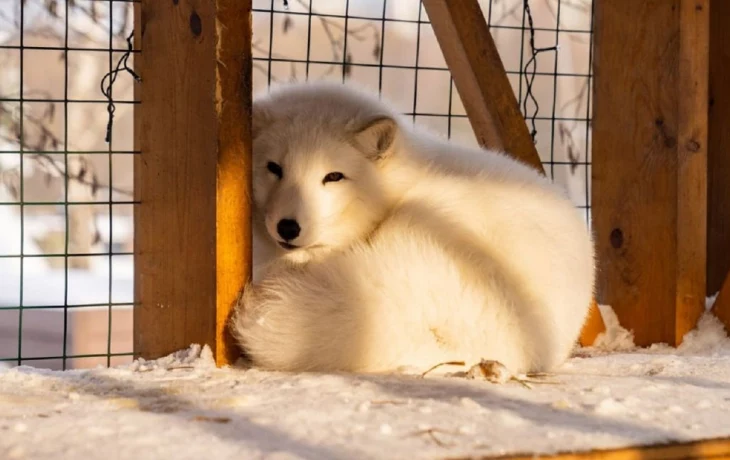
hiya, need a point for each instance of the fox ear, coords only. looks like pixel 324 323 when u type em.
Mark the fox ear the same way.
pixel 377 137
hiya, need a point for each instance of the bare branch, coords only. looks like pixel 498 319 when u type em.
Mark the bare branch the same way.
pixel 365 32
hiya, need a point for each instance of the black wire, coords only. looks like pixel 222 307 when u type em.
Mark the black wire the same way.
pixel 106 88
pixel 382 47
pixel 530 75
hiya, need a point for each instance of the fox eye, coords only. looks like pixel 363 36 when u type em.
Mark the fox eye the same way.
pixel 333 177
pixel 275 169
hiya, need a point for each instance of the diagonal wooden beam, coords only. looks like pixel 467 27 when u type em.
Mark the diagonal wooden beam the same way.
pixel 480 78
pixel 487 95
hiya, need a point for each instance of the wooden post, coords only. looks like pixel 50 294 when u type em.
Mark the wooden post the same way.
pixel 487 95
pixel 715 448
pixel 192 177
pixel 718 153
pixel 718 159
pixel 721 308
pixel 593 326
pixel 650 163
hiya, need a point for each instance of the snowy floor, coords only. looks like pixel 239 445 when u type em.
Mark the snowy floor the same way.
pixel 183 407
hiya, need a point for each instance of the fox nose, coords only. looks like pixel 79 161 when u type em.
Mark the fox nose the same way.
pixel 288 229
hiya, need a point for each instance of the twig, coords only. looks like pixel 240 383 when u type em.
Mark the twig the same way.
pixel 205 418
pixel 174 368
pixel 447 363
pixel 521 382
pixel 431 432
pixel 55 165
pixel 336 44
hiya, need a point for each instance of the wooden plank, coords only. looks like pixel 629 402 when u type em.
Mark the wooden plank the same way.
pixel 650 163
pixel 192 177
pixel 234 89
pixel 707 449
pixel 593 326
pixel 721 308
pixel 480 78
pixel 487 95
pixel 718 212
pixel 693 105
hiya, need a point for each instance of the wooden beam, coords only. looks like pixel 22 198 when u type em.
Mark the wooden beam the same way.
pixel 592 327
pixel 650 163
pixel 721 307
pixel 480 78
pixel 192 177
pixel 707 448
pixel 718 149
pixel 487 95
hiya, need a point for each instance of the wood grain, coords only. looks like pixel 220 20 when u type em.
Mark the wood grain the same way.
pixel 233 108
pixel 480 78
pixel 192 177
pixel 650 163
pixel 718 212
pixel 693 105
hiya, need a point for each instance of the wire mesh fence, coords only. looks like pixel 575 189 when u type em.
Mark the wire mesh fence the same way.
pixel 66 194
pixel 390 47
pixel 66 200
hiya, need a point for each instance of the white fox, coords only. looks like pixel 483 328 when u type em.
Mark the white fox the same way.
pixel 381 247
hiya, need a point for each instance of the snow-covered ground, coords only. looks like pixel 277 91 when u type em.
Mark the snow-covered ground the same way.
pixel 183 407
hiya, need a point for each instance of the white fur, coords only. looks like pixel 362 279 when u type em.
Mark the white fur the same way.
pixel 427 252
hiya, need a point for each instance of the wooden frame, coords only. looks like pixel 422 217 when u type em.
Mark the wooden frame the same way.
pixel 192 177
pixel 650 163
pixel 480 78
pixel 707 449
pixel 184 214
pixel 721 308
pixel 487 95
pixel 718 213
pixel 718 217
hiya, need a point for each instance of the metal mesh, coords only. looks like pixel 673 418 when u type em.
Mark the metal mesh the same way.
pixel 66 201
pixel 66 194
pixel 389 46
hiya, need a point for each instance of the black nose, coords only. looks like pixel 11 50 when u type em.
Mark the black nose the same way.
pixel 288 229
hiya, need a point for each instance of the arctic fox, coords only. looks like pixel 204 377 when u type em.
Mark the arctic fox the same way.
pixel 387 248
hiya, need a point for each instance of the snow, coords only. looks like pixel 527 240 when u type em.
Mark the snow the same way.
pixel 77 287
pixel 615 337
pixel 44 285
pixel 182 407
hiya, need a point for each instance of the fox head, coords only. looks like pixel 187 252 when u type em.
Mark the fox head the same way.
pixel 318 154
